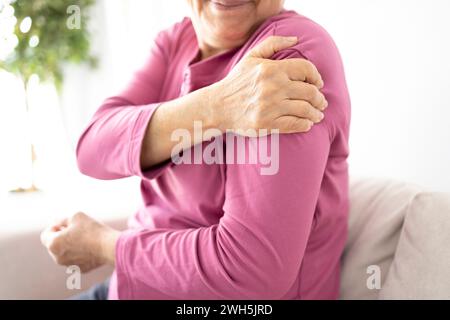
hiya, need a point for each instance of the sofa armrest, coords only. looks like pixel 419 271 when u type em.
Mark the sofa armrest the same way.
pixel 421 267
pixel 378 209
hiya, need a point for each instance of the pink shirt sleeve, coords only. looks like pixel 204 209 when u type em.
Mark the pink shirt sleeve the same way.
pixel 110 146
pixel 256 250
pixel 263 232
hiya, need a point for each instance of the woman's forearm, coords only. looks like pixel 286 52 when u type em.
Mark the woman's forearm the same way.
pixel 258 94
pixel 178 114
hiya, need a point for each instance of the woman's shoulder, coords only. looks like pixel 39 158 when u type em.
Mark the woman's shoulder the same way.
pixel 179 29
pixel 315 43
pixel 292 23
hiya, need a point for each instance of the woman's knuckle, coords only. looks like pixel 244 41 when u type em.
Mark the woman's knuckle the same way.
pixel 309 111
pixel 260 70
pixel 78 216
pixel 267 93
pixel 265 70
pixel 305 107
pixel 312 92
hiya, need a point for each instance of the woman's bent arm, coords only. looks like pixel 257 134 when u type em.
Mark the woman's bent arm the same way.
pixel 258 94
pixel 257 248
pixel 255 251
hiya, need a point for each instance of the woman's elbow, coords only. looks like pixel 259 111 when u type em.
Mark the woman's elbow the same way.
pixel 261 270
pixel 85 161
pixel 273 287
pixel 89 162
pixel 266 278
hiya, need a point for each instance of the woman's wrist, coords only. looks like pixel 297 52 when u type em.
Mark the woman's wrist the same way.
pixel 107 241
pixel 216 117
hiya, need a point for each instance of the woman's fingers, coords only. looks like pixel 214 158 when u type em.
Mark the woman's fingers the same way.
pixel 267 48
pixel 49 240
pixel 301 70
pixel 274 94
pixel 301 109
pixel 298 90
pixel 59 225
pixel 291 124
pixel 297 69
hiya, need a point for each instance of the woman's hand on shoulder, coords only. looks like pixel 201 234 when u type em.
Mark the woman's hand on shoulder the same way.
pixel 260 93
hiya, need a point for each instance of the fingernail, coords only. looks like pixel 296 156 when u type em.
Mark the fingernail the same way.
pixel 321 116
pixel 321 84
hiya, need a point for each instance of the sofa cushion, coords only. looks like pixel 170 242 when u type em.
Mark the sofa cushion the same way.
pixel 378 208
pixel 421 268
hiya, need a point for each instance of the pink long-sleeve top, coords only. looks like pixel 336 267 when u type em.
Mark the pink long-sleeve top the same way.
pixel 225 231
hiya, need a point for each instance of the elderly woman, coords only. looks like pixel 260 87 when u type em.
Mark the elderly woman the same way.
pixel 223 230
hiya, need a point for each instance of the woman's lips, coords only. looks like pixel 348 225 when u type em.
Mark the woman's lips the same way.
pixel 230 4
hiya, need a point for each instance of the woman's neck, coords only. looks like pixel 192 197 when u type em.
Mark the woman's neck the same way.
pixel 208 51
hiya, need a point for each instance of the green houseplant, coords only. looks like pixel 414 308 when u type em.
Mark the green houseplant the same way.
pixel 46 34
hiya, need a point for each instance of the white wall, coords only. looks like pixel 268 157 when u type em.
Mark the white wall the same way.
pixel 397 61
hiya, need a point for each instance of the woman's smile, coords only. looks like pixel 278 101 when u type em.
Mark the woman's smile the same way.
pixel 231 5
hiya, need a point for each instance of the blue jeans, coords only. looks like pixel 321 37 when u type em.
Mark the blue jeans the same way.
pixel 97 292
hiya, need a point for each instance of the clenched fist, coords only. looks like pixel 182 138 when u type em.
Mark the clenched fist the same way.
pixel 81 241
